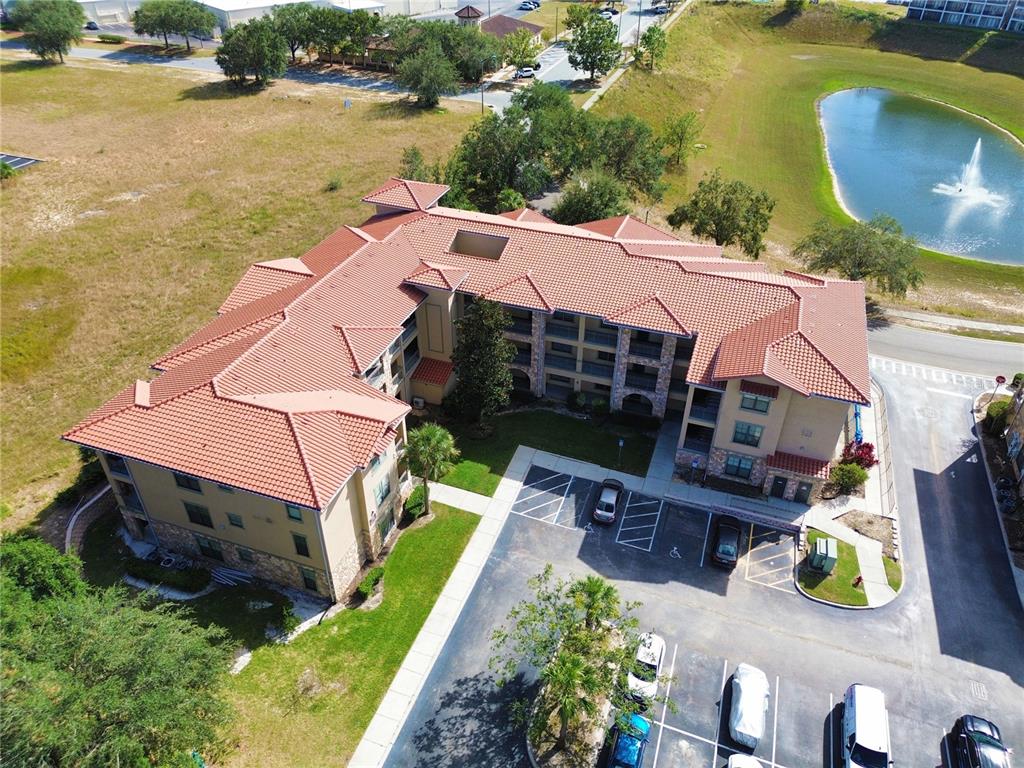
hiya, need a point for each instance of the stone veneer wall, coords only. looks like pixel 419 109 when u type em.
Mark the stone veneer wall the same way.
pixel 716 466
pixel 540 324
pixel 619 374
pixel 792 481
pixel 265 566
pixel 659 398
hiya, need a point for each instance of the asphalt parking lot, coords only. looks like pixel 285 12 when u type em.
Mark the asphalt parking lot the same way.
pixel 711 620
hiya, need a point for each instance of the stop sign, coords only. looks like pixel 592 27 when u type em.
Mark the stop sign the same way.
pixel 1000 379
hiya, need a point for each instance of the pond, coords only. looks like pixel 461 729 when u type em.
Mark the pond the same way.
pixel 951 179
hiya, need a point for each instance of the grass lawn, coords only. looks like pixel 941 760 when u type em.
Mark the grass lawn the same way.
pixel 548 13
pixel 754 74
pixel 893 573
pixel 352 658
pixel 836 587
pixel 153 49
pixel 104 556
pixel 159 188
pixel 484 460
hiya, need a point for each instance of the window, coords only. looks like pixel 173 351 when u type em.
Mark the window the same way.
pixel 608 357
pixel 382 490
pixel 555 379
pixel 235 520
pixel 757 403
pixel 210 548
pixel 308 578
pixel 226 488
pixel 187 482
pixel 747 434
pixel 602 388
pixel 374 463
pixel 739 466
pixel 117 464
pixel 564 348
pixel 294 513
pixel 199 515
pixel 245 555
pixel 564 317
pixel 301 546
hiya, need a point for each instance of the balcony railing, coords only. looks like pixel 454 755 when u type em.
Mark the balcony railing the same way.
pixel 560 361
pixel 678 385
pixel 375 378
pixel 647 381
pixel 602 338
pixel 697 446
pixel 409 332
pixel 645 349
pixel 412 359
pixel 603 370
pixel 704 412
pixel 521 327
pixel 563 330
pixel 522 358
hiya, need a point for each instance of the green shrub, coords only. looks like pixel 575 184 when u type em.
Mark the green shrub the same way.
pixel 7 171
pixel 1018 379
pixel 413 507
pixel 374 575
pixel 577 402
pixel 189 580
pixel 289 621
pixel 847 477
pixel 995 417
pixel 333 184
pixel 522 397
pixel 599 406
pixel 106 37
pixel 795 6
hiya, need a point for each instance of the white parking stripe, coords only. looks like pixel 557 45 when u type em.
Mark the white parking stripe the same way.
pixel 642 503
pixel 539 506
pixel 532 495
pixel 637 527
pixel 718 724
pixel 542 480
pixel 562 502
pixel 664 708
pixel 775 719
pixel 707 530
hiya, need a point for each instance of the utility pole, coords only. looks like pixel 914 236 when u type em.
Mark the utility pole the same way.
pixel 555 38
pixel 639 19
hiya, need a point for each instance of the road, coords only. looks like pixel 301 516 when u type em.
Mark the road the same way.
pixel 943 350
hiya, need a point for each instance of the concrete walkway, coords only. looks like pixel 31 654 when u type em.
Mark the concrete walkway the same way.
pixel 954 322
pixel 869 556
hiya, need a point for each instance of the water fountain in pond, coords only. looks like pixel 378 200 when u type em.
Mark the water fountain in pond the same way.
pixel 969 191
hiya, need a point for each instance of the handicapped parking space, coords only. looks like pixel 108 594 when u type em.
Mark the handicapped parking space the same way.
pixel 638 524
pixel 554 497
pixel 770 557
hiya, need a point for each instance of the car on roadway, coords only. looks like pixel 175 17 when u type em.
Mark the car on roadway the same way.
pixel 529 5
pixel 92 25
pixel 525 72
pixel 725 550
pixel 642 679
pixel 976 742
pixel 750 693
pixel 612 11
pixel 628 745
pixel 610 497
pixel 739 760
pixel 865 728
pixel 605 14
pixel 660 9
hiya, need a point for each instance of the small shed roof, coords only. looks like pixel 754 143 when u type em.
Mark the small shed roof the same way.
pixel 469 12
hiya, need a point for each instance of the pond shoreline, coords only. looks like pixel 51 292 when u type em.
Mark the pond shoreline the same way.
pixel 837 191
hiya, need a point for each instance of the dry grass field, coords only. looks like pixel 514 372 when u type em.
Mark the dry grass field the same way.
pixel 158 189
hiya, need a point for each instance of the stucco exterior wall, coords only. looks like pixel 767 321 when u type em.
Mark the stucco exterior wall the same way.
pixel 729 412
pixel 434 320
pixel 813 426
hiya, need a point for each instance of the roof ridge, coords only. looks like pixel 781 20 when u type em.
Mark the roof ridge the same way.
pixel 828 359
pixel 566 230
pixel 306 469
pixel 171 354
pixel 516 279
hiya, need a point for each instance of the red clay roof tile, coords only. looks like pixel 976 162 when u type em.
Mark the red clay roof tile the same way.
pixel 433 371
pixel 800 465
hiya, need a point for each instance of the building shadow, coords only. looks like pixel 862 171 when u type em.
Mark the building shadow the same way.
pixel 977 611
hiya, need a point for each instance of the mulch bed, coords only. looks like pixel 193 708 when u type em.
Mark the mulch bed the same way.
pixel 873 526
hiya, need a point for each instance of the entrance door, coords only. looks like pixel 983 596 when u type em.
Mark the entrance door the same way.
pixel 803 493
pixel 779 486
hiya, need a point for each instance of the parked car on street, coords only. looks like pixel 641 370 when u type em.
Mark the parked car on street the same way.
pixel 642 680
pixel 660 9
pixel 606 15
pixel 610 497
pixel 725 550
pixel 525 72
pixel 750 692
pixel 529 5
pixel 976 742
pixel 627 750
pixel 865 728
pixel 92 25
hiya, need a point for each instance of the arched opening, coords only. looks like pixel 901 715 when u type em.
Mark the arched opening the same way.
pixel 520 381
pixel 637 403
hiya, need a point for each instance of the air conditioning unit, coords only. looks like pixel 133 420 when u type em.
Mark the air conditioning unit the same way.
pixel 418 402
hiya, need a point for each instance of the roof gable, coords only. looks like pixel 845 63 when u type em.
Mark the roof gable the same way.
pixel 650 312
pixel 407 195
pixel 432 275
pixel 521 290
pixel 364 343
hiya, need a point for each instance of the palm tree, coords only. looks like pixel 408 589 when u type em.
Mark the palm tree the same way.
pixel 432 452
pixel 597 598
pixel 571 687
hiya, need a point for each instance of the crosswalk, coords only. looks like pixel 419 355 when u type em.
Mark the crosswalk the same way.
pixel 932 375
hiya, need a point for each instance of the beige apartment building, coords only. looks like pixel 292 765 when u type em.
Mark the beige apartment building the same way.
pixel 271 441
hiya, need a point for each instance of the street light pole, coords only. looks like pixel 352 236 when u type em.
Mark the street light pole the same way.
pixel 639 21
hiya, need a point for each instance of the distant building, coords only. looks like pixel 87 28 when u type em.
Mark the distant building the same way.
pixel 468 15
pixel 228 12
pixel 1005 15
pixel 500 26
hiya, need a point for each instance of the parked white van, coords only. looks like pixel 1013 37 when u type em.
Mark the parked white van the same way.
pixel 865 728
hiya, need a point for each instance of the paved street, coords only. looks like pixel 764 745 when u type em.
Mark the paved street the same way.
pixel 958 353
pixel 951 643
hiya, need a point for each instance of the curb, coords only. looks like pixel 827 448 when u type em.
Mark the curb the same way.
pixel 802 591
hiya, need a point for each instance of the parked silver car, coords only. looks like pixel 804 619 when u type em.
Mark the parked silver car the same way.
pixel 750 693
pixel 610 497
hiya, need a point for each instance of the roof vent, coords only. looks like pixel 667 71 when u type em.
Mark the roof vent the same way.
pixel 142 393
pixel 478 244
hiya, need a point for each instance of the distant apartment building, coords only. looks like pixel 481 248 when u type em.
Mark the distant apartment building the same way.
pixel 272 439
pixel 1007 15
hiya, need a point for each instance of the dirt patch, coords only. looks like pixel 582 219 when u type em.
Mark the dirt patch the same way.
pixel 873 526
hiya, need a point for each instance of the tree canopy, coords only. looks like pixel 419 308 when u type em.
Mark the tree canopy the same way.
pixel 431 451
pixel 253 48
pixel 594 46
pixel 653 46
pixel 727 212
pixel 519 48
pixel 680 137
pixel 590 196
pixel 481 358
pixel 876 250
pixel 50 26
pixel 429 74
pixel 173 17
pixel 292 22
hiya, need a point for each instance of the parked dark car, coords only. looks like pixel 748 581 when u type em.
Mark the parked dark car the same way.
pixel 92 25
pixel 610 497
pixel 627 749
pixel 976 742
pixel 725 550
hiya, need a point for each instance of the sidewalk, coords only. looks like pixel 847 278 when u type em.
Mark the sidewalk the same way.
pixel 954 322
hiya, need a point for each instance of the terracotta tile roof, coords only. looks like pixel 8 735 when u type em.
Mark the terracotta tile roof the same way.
pixel 500 25
pixel 432 275
pixel 799 465
pixel 627 228
pixel 526 214
pixel 263 280
pixel 649 313
pixel 522 291
pixel 364 343
pixel 433 371
pixel 407 195
pixel 469 12
pixel 754 388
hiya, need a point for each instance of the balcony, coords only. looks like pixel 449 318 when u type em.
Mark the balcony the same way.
pixel 645 381
pixel 602 338
pixel 520 327
pixel 601 370
pixel 375 378
pixel 522 358
pixel 563 330
pixel 707 413
pixel 646 349
pixel 678 385
pixel 560 361
pixel 697 446
pixel 411 360
pixel 409 332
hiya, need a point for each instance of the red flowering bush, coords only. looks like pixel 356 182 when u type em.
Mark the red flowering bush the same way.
pixel 862 455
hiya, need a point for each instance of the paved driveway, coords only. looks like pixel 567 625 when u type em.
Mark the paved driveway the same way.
pixel 951 643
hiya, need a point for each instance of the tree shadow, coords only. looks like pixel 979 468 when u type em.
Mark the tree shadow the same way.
pixel 28 65
pixel 780 19
pixel 398 109
pixel 220 90
pixel 472 725
pixel 875 314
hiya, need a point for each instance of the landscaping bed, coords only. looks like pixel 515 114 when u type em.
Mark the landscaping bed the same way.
pixel 836 587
